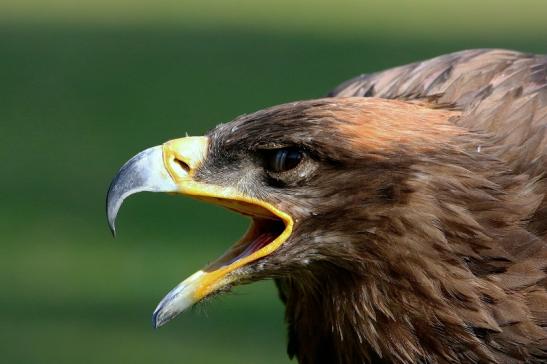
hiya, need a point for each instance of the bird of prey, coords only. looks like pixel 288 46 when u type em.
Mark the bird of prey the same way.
pixel 403 217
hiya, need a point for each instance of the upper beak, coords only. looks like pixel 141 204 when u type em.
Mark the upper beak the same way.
pixel 156 169
pixel 171 167
pixel 143 172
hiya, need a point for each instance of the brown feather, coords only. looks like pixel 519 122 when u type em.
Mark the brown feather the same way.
pixel 464 279
pixel 420 229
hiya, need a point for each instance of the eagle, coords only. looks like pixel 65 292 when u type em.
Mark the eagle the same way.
pixel 402 217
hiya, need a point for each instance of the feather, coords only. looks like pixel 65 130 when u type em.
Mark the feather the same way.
pixel 465 276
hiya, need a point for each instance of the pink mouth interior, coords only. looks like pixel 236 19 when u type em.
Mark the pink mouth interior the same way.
pixel 258 243
pixel 261 233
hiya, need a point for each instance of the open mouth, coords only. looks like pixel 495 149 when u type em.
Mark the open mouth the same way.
pixel 268 231
pixel 261 233
pixel 263 236
pixel 171 168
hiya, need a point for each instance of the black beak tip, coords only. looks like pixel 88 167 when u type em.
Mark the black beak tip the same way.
pixel 155 325
pixel 112 228
pixel 111 218
pixel 159 318
pixel 112 206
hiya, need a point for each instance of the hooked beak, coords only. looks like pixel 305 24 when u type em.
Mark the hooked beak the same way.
pixel 171 167
pixel 139 174
pixel 158 169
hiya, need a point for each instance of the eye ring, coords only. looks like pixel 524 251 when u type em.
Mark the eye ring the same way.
pixel 283 159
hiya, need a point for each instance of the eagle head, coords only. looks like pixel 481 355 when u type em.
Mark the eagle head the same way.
pixel 407 227
pixel 316 178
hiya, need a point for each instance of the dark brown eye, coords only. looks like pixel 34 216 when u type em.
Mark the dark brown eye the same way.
pixel 280 160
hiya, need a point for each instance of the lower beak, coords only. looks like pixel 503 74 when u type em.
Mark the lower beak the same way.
pixel 171 168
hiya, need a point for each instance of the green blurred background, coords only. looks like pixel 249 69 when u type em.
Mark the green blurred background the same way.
pixel 84 85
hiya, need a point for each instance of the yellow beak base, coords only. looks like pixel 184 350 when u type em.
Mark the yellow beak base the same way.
pixel 174 171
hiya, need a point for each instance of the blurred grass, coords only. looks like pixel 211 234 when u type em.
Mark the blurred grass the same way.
pixel 86 85
pixel 400 18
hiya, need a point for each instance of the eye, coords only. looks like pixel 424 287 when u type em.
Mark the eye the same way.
pixel 281 160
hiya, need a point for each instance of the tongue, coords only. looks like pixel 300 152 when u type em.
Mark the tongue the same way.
pixel 259 242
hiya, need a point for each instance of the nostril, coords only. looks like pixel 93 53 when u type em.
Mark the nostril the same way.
pixel 182 165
